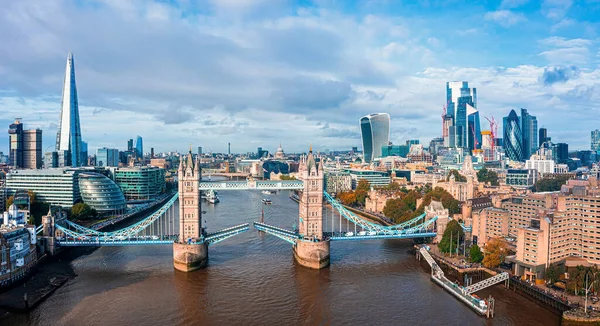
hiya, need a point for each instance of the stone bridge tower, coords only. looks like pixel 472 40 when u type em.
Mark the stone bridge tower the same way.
pixel 312 250
pixel 189 252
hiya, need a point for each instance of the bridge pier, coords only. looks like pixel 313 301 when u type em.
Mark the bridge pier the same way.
pixel 311 254
pixel 190 257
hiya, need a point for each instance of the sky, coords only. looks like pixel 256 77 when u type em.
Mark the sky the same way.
pixel 256 73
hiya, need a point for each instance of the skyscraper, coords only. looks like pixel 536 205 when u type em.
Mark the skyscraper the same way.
pixel 529 132
pixel 543 136
pixel 375 133
pixel 512 137
pixel 130 145
pixel 25 147
pixel 139 147
pixel 474 128
pixel 107 157
pixel 68 137
pixel 595 140
pixel 458 97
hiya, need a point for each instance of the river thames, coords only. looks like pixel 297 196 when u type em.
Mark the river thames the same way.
pixel 252 279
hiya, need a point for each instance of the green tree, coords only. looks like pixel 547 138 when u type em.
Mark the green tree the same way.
pixel 439 194
pixel 457 176
pixel 485 175
pixel 450 238
pixel 551 184
pixel 287 177
pixel 362 191
pixel 82 211
pixel 475 254
pixel 552 273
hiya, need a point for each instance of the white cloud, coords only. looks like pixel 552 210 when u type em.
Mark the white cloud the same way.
pixel 505 18
pixel 556 9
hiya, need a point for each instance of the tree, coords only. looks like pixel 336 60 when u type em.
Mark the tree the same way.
pixel 347 198
pixel 485 175
pixel 450 238
pixel 395 209
pixel 287 177
pixel 576 279
pixel 362 191
pixel 443 196
pixel 475 254
pixel 494 252
pixel 9 201
pixel 552 273
pixel 82 211
pixel 551 184
pixel 457 176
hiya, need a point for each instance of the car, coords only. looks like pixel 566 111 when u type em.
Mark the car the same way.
pixel 372 233
pixel 349 234
pixel 362 233
pixel 154 237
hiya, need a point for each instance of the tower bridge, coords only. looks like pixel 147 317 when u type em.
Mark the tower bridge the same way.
pixel 182 227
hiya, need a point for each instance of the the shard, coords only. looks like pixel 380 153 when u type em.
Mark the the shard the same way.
pixel 68 137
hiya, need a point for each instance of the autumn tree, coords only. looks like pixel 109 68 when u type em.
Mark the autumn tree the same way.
pixel 395 209
pixel 475 254
pixel 494 252
pixel 451 237
pixel 347 198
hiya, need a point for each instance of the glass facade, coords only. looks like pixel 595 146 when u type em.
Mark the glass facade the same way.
pixel 139 147
pixel 140 183
pixel 101 193
pixel 375 133
pixel 68 137
pixel 394 150
pixel 107 157
pixel 54 186
pixel 459 97
pixel 595 140
pixel 529 133
pixel 512 137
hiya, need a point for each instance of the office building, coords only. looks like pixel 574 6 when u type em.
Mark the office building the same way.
pixel 529 132
pixel 25 147
pixel 54 186
pixel 139 147
pixel 543 136
pixel 521 178
pixel 84 153
pixel 107 157
pixel 130 145
pixel 139 183
pixel 199 150
pixel 18 255
pixel 375 178
pixel 68 137
pixel 101 193
pixel 560 151
pixel 540 164
pixel 375 133
pixel 595 140
pixel 336 182
pixel 462 107
pixel 512 137
pixel 50 160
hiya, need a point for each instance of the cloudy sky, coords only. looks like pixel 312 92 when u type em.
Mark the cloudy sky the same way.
pixel 260 72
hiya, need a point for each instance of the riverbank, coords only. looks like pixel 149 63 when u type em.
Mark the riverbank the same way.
pixel 49 275
pixel 53 272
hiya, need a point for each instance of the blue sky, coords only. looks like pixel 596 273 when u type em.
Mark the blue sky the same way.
pixel 260 72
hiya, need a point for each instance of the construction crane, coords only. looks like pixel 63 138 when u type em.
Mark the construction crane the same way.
pixel 493 131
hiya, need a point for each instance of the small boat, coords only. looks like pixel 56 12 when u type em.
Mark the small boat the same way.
pixel 267 192
pixel 212 197
pixel 266 201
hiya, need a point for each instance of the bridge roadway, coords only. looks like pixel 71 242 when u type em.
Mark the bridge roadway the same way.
pixel 252 185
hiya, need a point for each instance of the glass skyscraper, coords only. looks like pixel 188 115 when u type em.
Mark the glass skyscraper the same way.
pixel 529 132
pixel 68 137
pixel 459 98
pixel 595 140
pixel 139 147
pixel 375 133
pixel 512 137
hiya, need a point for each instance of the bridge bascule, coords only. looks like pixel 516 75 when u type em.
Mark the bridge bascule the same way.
pixel 178 222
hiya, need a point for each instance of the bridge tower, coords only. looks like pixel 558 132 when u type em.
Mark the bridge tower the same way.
pixel 190 252
pixel 311 250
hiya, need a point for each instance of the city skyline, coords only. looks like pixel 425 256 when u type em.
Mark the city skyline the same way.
pixel 259 73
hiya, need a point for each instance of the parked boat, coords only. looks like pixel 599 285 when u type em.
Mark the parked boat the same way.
pixel 267 192
pixel 266 201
